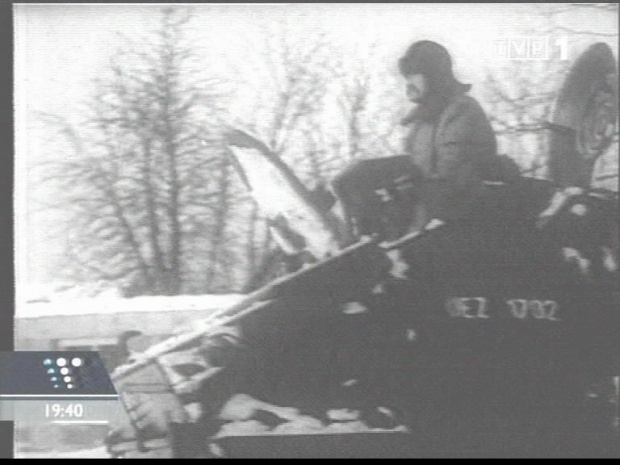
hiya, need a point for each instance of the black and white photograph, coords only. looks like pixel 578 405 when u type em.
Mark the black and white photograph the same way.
pixel 321 230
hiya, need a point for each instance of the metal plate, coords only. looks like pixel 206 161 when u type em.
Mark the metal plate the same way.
pixel 297 223
pixel 584 117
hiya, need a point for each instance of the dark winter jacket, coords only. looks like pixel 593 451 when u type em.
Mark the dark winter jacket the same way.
pixel 454 149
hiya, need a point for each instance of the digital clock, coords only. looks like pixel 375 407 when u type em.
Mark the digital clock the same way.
pixel 68 410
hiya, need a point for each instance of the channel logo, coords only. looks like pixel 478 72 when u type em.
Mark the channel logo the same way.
pixel 53 374
pixel 64 373
pixel 530 48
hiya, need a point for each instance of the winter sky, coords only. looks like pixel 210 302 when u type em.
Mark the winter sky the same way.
pixel 60 48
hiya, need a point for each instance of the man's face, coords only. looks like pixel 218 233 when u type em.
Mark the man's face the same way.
pixel 416 87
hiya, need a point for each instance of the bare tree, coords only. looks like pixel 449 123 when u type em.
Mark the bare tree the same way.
pixel 319 109
pixel 296 77
pixel 368 103
pixel 141 190
pixel 520 96
pixel 519 101
pixel 554 15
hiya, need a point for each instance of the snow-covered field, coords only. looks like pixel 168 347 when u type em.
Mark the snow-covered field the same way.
pixel 98 453
pixel 84 306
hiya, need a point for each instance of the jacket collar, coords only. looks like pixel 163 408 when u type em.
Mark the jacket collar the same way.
pixel 416 114
pixel 431 111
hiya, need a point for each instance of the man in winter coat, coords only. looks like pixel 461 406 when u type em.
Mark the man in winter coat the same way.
pixel 451 148
pixel 450 137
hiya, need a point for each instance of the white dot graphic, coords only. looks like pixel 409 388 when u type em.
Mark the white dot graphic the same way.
pixel 69 386
pixel 61 362
pixel 64 371
pixel 76 362
pixel 67 379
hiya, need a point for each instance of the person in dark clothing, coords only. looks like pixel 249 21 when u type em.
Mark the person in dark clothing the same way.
pixel 451 150
pixel 450 137
pixel 377 195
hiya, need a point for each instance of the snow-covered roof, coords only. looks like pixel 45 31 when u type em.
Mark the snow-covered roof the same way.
pixel 121 305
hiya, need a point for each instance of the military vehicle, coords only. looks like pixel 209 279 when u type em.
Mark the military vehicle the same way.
pixel 233 387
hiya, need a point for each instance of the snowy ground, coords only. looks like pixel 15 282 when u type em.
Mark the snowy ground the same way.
pixel 97 453
pixel 117 305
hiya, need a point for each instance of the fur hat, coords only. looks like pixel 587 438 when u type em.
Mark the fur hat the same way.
pixel 426 57
pixel 433 61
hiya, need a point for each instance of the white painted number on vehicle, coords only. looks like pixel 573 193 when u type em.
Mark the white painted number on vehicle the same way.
pixel 537 309
pixel 522 309
pixel 467 307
